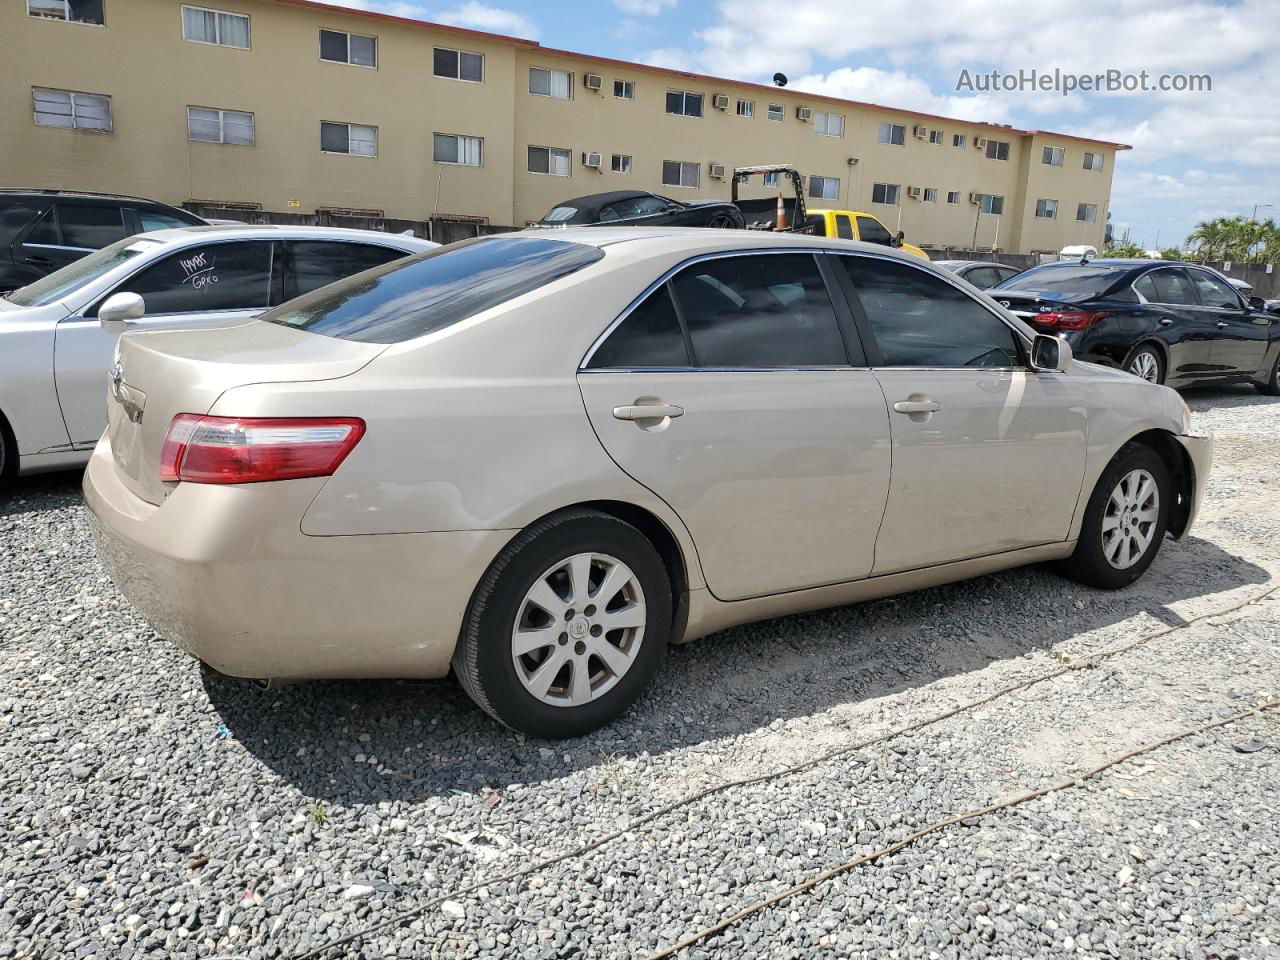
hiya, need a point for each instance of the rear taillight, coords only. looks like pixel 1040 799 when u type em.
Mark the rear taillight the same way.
pixel 255 449
pixel 1067 319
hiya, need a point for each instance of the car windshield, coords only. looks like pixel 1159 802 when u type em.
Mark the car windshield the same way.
pixel 73 276
pixel 560 214
pixel 1070 283
pixel 420 295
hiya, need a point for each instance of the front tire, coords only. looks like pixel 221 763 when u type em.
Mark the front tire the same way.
pixel 1271 386
pixel 1146 363
pixel 1125 520
pixel 567 627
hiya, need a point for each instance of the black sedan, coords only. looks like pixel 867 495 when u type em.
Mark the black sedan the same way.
pixel 635 208
pixel 1167 322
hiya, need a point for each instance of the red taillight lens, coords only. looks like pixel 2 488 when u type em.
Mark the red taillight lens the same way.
pixel 1068 319
pixel 255 449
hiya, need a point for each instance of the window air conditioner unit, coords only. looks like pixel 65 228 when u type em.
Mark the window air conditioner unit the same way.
pixel 720 101
pixel 593 81
pixel 913 193
pixel 980 143
pixel 920 132
pixel 591 159
pixel 717 171
pixel 975 198
pixel 804 114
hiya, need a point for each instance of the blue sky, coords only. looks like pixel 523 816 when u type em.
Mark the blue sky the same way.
pixel 1196 154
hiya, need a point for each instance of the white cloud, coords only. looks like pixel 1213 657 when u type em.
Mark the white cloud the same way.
pixel 644 8
pixel 899 89
pixel 395 8
pixel 479 16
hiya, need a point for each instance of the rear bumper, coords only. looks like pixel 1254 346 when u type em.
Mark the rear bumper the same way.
pixel 225 573
pixel 1200 453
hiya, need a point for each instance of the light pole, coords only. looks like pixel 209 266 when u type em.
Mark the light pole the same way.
pixel 1255 209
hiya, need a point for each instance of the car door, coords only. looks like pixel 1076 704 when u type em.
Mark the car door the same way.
pixel 871 230
pixel 768 438
pixel 1241 337
pixel 988 455
pixel 216 282
pixel 1174 316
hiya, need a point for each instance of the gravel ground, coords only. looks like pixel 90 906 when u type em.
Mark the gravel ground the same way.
pixel 148 810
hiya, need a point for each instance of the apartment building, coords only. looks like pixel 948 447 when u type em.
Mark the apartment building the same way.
pixel 300 105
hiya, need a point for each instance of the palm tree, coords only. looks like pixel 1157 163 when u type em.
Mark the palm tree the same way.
pixel 1123 248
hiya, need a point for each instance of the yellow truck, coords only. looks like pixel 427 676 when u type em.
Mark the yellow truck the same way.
pixel 855 225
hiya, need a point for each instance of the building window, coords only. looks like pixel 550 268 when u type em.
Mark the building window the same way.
pixel 1086 212
pixel 352 48
pixel 1047 209
pixel 75 11
pixel 552 161
pixel 351 138
pixel 79 111
pixel 957 139
pixel 219 126
pixel 895 133
pixel 1052 156
pixel 201 25
pixel 1093 161
pixel 953 196
pixel 458 65
pixel 935 137
pixel 885 193
pixel 624 89
pixel 746 108
pixel 551 83
pixel 680 173
pixel 682 103
pixel 824 188
pixel 775 112
pixel 992 204
pixel 771 178
pixel 620 163
pixel 930 194
pixel 997 149
pixel 454 148
pixel 829 124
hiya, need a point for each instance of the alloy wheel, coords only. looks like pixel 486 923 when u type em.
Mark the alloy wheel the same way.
pixel 1129 523
pixel 720 222
pixel 578 629
pixel 1146 366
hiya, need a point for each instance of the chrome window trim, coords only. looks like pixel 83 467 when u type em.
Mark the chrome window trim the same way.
pixel 699 258
pixel 61 246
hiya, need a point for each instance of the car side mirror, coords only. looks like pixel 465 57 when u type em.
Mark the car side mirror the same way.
pixel 119 308
pixel 1257 303
pixel 897 240
pixel 1049 354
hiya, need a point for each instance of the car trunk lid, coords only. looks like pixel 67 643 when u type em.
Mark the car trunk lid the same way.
pixel 1027 305
pixel 159 375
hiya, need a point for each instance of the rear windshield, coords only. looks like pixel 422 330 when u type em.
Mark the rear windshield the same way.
pixel 1076 282
pixel 74 275
pixel 410 298
pixel 560 215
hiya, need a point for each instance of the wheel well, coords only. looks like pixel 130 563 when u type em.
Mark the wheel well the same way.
pixel 9 468
pixel 1180 469
pixel 1159 348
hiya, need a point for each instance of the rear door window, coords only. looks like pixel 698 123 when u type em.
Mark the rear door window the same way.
pixel 981 277
pixel 759 311
pixel 155 220
pixel 649 337
pixel 919 320
pixel 204 279
pixel 410 298
pixel 318 263
pixel 1166 286
pixel 45 231
pixel 844 226
pixel 90 227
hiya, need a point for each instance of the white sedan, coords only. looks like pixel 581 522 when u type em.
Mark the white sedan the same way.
pixel 57 335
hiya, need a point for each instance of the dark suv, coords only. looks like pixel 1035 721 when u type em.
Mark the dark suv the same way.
pixel 43 230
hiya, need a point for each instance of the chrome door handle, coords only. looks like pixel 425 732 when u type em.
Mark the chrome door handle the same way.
pixel 917 406
pixel 1165 321
pixel 1221 324
pixel 648 411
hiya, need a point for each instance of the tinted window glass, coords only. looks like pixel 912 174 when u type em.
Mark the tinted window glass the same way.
pixel 220 276
pixel 872 231
pixel 1165 286
pixel 919 320
pixel 1215 292
pixel 759 311
pixel 150 220
pixel 1004 273
pixel 333 46
pixel 45 231
pixel 317 263
pixel 409 298
pixel 844 226
pixel 1073 282
pixel 70 278
pixel 649 337
pixel 982 277
pixel 90 227
pixel 818 222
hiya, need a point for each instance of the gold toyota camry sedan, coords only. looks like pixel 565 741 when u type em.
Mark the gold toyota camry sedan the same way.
pixel 538 459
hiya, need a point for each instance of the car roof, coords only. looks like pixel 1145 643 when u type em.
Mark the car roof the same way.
pixel 250 231
pixel 79 194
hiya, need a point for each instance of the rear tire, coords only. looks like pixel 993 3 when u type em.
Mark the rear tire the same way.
pixel 1124 522
pixel 1146 363
pixel 722 222
pixel 567 627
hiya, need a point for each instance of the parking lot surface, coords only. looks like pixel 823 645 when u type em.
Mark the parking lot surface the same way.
pixel 148 809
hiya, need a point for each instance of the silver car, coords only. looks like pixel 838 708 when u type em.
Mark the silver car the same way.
pixel 539 459
pixel 57 334
pixel 983 274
